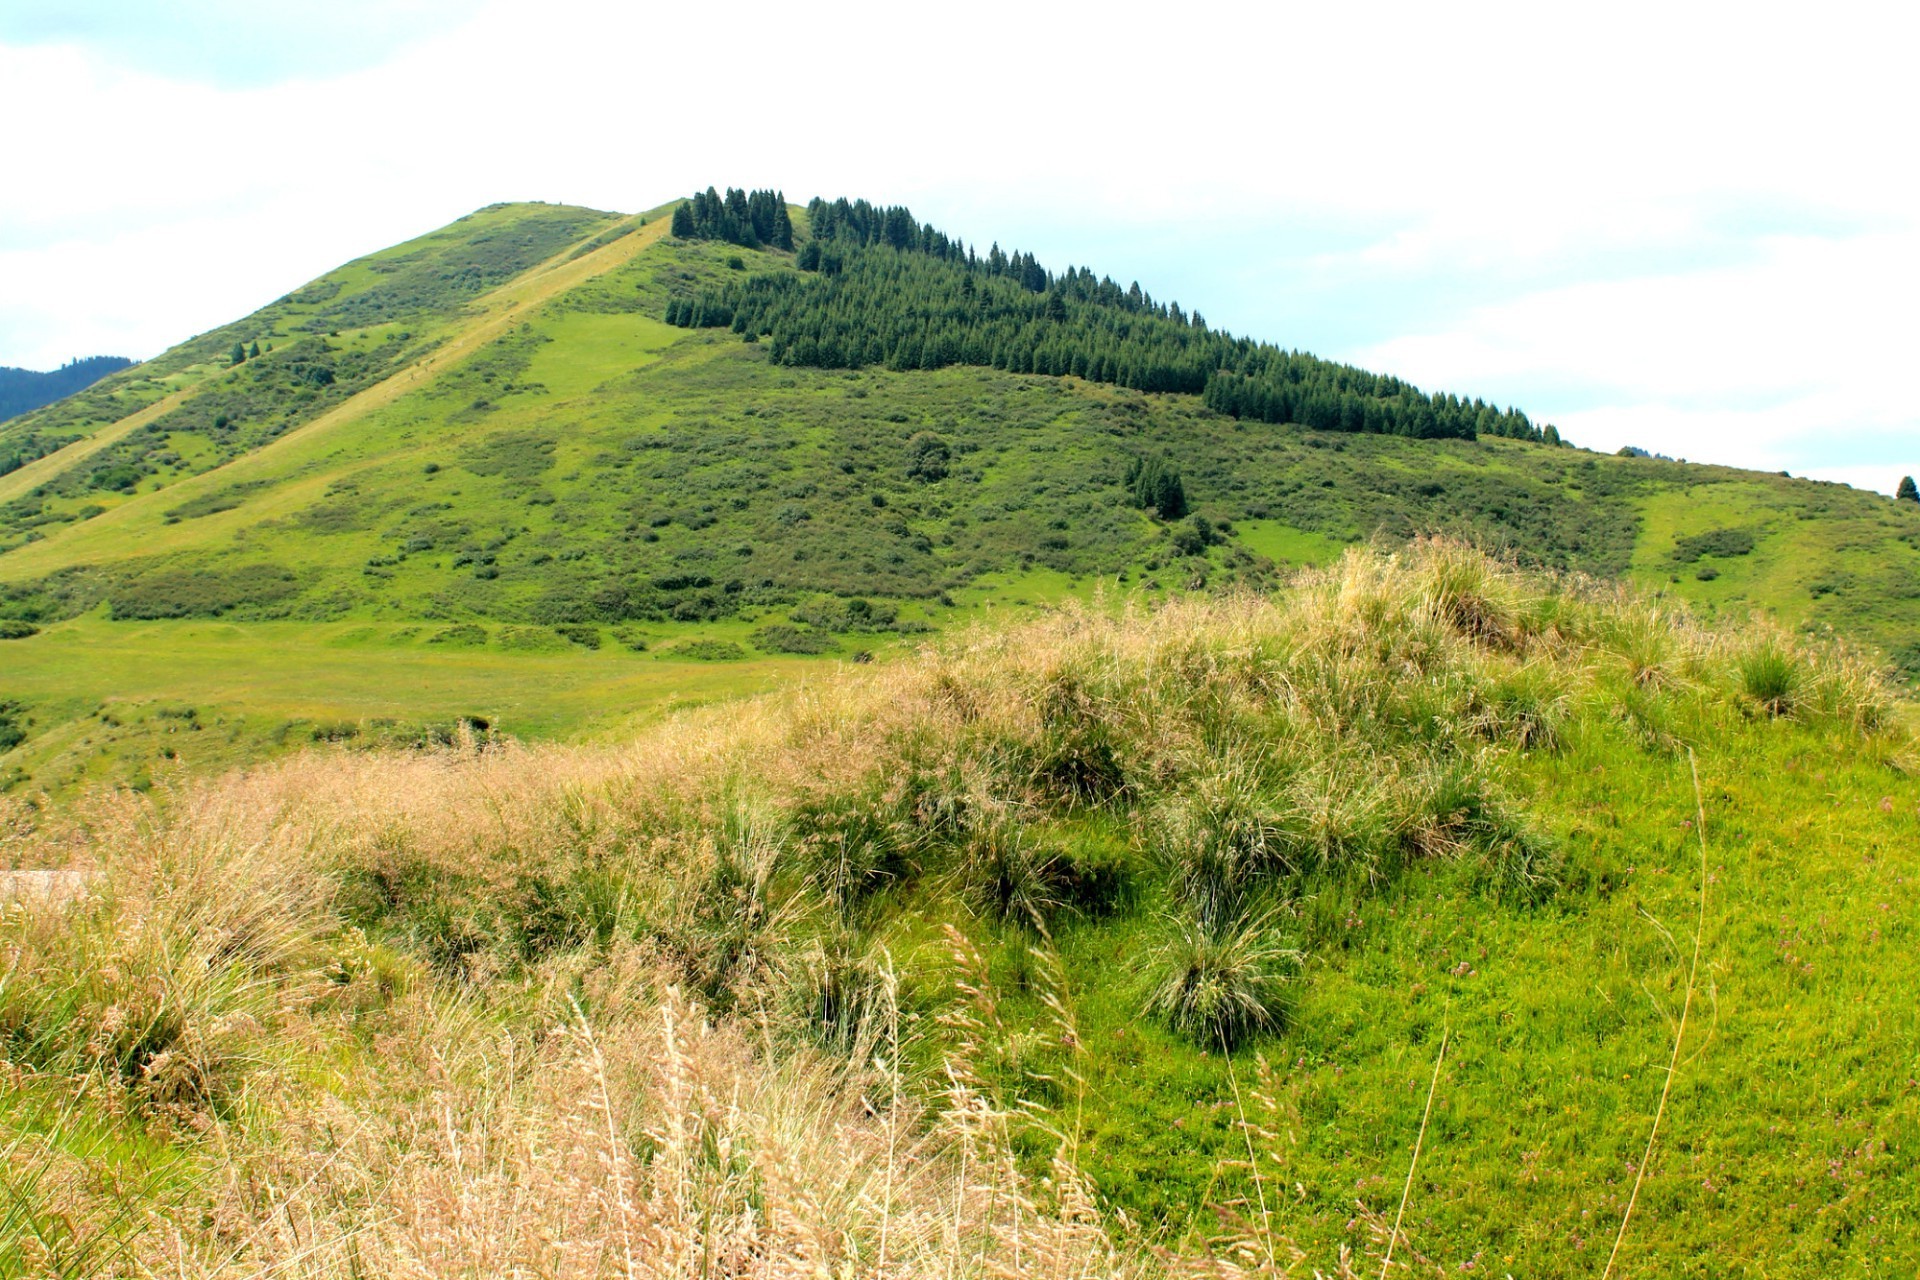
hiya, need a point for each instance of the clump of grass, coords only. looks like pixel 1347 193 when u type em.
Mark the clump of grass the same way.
pixel 1222 983
pixel 168 978
pixel 1645 639
pixel 848 990
pixel 1467 590
pixel 1075 761
pixel 1341 818
pixel 1770 677
pixel 1007 872
pixel 1528 707
pixel 1217 837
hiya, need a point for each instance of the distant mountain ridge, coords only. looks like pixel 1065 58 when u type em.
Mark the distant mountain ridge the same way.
pixel 24 390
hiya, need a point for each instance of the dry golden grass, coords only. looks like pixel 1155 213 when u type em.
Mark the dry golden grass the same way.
pixel 335 1105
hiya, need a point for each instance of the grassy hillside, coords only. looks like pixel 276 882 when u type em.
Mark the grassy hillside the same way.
pixel 488 439
pixel 1100 945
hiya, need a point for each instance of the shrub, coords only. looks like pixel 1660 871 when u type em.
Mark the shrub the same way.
pixel 1713 542
pixel 927 457
pixel 464 635
pixel 705 651
pixel 530 640
pixel 13 730
pixel 780 638
pixel 200 593
pixel 12 629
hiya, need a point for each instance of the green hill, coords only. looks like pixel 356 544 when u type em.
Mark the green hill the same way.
pixel 548 449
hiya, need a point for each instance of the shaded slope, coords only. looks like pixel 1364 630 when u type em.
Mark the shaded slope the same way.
pixel 23 390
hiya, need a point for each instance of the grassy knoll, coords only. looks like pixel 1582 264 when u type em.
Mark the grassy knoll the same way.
pixel 1111 943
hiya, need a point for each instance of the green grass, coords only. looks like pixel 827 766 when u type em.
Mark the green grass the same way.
pixel 110 701
pixel 1339 806
pixel 1286 545
pixel 529 453
pixel 1561 1022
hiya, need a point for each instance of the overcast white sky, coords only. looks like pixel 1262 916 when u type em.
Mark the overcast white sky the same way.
pixel 1695 228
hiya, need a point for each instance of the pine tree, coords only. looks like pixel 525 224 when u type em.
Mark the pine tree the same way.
pixel 253 352
pixel 1908 492
pixel 782 237
pixel 238 355
pixel 683 226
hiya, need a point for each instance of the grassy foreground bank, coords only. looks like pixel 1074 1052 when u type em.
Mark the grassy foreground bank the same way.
pixel 1093 946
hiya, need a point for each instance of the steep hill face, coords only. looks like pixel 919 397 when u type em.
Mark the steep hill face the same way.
pixel 541 421
pixel 24 390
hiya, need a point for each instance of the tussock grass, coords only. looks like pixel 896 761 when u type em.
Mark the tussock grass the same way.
pixel 689 1004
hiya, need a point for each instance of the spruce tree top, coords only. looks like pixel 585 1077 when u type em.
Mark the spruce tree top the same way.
pixel 1907 491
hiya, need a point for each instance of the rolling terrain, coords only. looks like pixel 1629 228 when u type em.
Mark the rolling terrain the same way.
pixel 751 740
pixel 489 443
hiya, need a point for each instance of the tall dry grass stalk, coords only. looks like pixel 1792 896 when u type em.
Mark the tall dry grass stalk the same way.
pixel 1680 1031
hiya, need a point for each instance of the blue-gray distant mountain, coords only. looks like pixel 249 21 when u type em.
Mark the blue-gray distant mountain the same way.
pixel 23 390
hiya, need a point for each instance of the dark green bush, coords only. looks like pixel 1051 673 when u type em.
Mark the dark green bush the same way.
pixel 200 593
pixel 1714 542
pixel 780 638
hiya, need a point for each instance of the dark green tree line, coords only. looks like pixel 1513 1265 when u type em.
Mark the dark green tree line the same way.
pixel 1155 485
pixel 882 289
pixel 748 218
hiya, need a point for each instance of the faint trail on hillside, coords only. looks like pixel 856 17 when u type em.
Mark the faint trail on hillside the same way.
pixel 498 312
pixel 17 484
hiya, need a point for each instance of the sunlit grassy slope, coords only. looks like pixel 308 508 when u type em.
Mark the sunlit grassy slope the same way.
pixel 1099 945
pixel 492 427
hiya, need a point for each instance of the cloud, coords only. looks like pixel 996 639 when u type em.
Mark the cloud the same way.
pixel 243 43
pixel 1785 361
pixel 1632 218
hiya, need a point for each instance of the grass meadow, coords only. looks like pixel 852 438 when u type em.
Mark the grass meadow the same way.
pixel 1112 942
